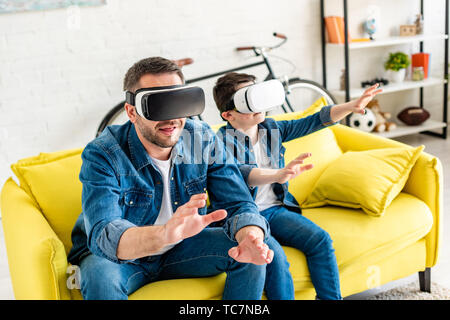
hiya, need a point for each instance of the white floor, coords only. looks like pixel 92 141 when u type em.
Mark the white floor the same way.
pixel 439 274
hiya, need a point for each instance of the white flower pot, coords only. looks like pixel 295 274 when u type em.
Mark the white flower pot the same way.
pixel 397 76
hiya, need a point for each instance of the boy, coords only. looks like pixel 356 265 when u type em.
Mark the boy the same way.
pixel 255 138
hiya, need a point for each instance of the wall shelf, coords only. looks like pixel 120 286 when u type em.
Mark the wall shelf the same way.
pixel 352 93
pixel 389 41
pixel 392 87
pixel 404 130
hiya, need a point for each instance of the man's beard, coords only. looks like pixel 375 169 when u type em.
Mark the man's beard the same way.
pixel 152 137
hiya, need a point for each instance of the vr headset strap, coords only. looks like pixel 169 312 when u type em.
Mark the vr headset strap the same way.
pixel 129 98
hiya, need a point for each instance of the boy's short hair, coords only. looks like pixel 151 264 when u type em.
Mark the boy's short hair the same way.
pixel 152 65
pixel 226 86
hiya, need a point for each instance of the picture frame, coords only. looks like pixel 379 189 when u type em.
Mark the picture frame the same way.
pixel 13 6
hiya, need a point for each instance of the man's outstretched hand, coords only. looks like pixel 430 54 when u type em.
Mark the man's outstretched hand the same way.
pixel 251 248
pixel 186 222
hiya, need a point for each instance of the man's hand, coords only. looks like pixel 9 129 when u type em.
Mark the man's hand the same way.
pixel 251 248
pixel 293 169
pixel 186 222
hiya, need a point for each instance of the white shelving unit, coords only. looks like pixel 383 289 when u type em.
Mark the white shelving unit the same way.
pixel 352 93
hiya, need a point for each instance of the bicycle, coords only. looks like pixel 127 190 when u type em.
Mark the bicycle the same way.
pixel 294 87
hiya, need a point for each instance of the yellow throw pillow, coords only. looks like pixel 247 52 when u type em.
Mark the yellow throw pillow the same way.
pixel 369 180
pixel 324 151
pixel 216 127
pixel 315 107
pixel 51 179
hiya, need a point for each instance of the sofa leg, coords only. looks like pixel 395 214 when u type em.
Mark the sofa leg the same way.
pixel 425 280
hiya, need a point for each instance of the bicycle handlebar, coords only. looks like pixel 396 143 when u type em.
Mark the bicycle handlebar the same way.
pixel 244 48
pixel 279 35
pixel 183 62
pixel 275 34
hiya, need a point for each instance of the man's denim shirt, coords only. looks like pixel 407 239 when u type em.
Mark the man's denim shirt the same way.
pixel 272 134
pixel 122 188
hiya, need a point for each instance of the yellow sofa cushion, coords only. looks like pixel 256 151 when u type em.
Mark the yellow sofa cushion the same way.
pixel 364 179
pixel 407 220
pixel 51 179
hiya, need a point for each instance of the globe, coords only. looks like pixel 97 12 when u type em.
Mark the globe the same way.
pixel 370 27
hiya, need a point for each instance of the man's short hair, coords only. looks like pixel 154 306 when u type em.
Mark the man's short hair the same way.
pixel 152 65
pixel 226 86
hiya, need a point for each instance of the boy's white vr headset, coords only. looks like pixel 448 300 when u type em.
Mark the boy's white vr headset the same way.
pixel 166 103
pixel 259 97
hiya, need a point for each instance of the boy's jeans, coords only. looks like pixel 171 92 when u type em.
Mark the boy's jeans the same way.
pixel 203 255
pixel 294 230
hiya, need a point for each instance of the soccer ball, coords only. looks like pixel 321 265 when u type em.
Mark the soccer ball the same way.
pixel 365 122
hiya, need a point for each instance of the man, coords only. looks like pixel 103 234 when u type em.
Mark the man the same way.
pixel 256 144
pixel 144 216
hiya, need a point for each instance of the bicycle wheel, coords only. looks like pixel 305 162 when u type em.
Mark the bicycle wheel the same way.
pixel 116 115
pixel 302 93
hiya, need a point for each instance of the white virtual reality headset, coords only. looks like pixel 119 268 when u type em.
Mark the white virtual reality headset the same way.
pixel 169 102
pixel 259 97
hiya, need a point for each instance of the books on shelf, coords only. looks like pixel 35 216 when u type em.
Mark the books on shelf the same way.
pixel 335 29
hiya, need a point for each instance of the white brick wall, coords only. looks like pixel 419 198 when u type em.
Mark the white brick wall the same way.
pixel 60 73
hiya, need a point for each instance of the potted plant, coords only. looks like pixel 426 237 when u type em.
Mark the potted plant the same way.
pixel 396 66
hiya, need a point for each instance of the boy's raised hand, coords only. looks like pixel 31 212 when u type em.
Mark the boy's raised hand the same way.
pixel 361 103
pixel 293 168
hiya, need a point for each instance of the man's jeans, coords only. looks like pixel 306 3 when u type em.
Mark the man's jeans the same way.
pixel 203 255
pixel 294 230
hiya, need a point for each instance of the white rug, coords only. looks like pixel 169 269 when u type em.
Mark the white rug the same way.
pixel 412 291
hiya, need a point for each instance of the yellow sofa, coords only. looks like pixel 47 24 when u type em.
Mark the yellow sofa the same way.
pixel 38 217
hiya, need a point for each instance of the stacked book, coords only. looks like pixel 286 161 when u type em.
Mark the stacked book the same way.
pixel 335 29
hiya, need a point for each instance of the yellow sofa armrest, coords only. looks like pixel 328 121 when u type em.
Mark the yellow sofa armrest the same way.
pixel 426 183
pixel 425 180
pixel 37 259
